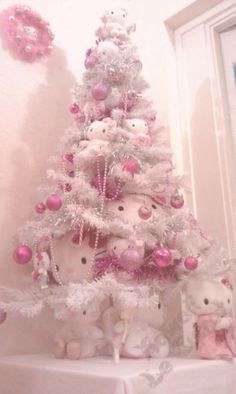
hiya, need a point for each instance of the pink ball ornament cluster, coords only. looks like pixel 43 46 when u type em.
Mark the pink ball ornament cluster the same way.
pixel 130 259
pixel 53 203
pixel 25 32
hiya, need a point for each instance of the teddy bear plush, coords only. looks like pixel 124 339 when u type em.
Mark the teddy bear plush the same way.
pixel 80 335
pixel 138 128
pixel 211 303
pixel 73 262
pixel 144 336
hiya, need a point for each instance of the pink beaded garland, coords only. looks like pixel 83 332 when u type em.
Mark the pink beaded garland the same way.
pixel 191 263
pixel 162 257
pixel 40 207
pixel 99 92
pixel 130 260
pixel 22 254
pixel 26 33
pixel 3 316
pixel 53 202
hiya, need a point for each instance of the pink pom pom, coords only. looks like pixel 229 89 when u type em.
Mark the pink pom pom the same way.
pixel 162 257
pixel 40 207
pixel 3 316
pixel 99 92
pixel 90 61
pixel 130 260
pixel 53 202
pixel 22 254
pixel 130 166
pixel 74 108
pixel 191 263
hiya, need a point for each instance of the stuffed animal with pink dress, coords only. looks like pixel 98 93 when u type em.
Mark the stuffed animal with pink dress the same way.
pixel 211 302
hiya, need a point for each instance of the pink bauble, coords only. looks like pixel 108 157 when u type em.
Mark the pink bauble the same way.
pixel 74 108
pixel 130 260
pixel 53 202
pixel 22 254
pixel 177 201
pixel 90 61
pixel 68 157
pixel 40 207
pixel 130 166
pixel 99 92
pixel 162 257
pixel 3 316
pixel 191 263
pixel 145 212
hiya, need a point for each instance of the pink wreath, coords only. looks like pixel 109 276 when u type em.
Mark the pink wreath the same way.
pixel 26 33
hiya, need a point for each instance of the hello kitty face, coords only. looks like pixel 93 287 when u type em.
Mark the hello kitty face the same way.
pixel 207 297
pixel 100 129
pixel 116 16
pixel 136 126
pixel 41 261
pixel 134 208
pixel 106 50
pixel 73 262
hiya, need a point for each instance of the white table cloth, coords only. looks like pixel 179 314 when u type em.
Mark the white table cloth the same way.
pixel 42 374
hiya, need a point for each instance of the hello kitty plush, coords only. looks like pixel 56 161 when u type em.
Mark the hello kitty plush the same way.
pixel 41 263
pixel 211 302
pixel 115 25
pixel 80 336
pixel 144 337
pixel 74 262
pixel 138 129
pixel 134 208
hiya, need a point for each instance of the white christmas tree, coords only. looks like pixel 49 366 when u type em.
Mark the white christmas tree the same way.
pixel 111 236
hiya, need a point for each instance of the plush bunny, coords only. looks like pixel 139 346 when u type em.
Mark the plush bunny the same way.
pixel 144 337
pixel 138 129
pixel 211 302
pixel 41 263
pixel 72 260
pixel 134 208
pixel 80 336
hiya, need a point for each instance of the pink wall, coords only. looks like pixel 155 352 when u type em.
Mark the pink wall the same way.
pixel 34 112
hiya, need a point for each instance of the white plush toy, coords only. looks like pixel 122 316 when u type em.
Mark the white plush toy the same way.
pixel 80 336
pixel 210 300
pixel 41 263
pixel 144 337
pixel 102 129
pixel 73 262
pixel 106 51
pixel 134 208
pixel 116 25
pixel 139 130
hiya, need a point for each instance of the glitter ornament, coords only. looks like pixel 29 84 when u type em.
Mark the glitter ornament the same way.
pixel 3 316
pixel 162 257
pixel 22 254
pixel 53 202
pixel 130 260
pixel 40 207
pixel 74 108
pixel 130 166
pixel 99 92
pixel 191 263
pixel 177 200
pixel 145 212
pixel 90 61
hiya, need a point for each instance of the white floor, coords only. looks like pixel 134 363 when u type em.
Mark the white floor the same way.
pixel 42 374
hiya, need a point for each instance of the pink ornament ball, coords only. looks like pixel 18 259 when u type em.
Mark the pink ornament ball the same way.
pixel 40 207
pixel 145 212
pixel 99 92
pixel 162 257
pixel 177 201
pixel 74 108
pixel 22 254
pixel 130 166
pixel 191 263
pixel 53 202
pixel 3 316
pixel 130 260
pixel 90 61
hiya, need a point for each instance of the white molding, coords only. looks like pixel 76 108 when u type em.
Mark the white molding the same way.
pixel 209 25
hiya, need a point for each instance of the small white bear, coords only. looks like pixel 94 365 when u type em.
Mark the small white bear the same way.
pixel 80 336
